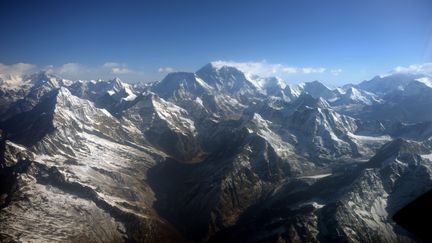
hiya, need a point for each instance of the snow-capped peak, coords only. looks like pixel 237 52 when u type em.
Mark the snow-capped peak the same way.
pixel 66 99
pixel 426 81
pixel 119 88
pixel 217 65
pixel 227 79
pixel 12 82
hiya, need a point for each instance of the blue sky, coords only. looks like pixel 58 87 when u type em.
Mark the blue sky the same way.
pixel 300 40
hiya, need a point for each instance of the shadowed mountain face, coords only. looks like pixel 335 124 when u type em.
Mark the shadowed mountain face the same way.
pixel 415 215
pixel 216 156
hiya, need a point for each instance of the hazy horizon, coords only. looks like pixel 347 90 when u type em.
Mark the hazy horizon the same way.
pixel 262 70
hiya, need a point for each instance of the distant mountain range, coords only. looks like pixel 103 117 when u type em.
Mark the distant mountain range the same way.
pixel 213 156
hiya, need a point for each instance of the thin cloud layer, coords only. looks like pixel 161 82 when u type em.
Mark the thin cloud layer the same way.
pixel 118 68
pixel 110 70
pixel 265 69
pixel 17 69
pixel 425 68
pixel 336 72
pixel 76 71
pixel 166 70
pixel 105 71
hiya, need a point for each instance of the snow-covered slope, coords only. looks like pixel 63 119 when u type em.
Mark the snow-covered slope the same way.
pixel 166 126
pixel 226 79
pixel 388 83
pixel 88 161
pixel 113 95
pixel 24 92
pixel 353 95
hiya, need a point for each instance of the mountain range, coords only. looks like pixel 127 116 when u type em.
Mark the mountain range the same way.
pixel 213 156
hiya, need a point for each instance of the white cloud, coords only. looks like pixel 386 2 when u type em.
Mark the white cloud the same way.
pixel 68 68
pixel 166 70
pixel 265 69
pixel 117 68
pixel 257 68
pixel 120 70
pixel 76 71
pixel 105 71
pixel 425 68
pixel 71 70
pixel 336 72
pixel 289 70
pixel 111 64
pixel 17 69
pixel 309 70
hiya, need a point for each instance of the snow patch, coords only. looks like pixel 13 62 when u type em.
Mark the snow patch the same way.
pixel 427 156
pixel 319 176
pixel 426 81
